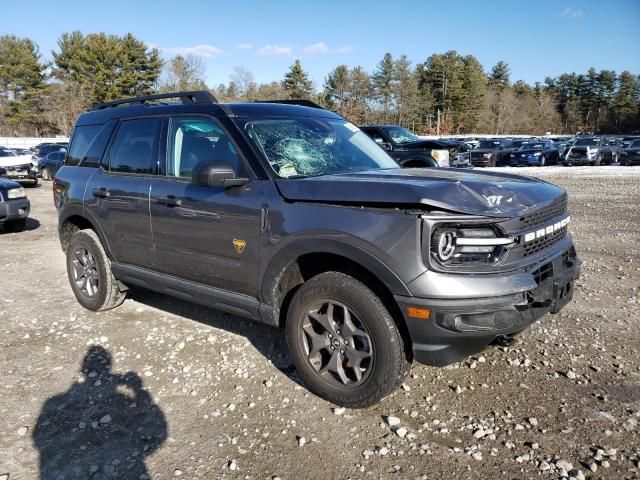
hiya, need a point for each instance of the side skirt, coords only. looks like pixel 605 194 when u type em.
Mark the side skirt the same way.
pixel 231 302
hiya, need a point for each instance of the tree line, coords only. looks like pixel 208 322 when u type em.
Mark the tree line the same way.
pixel 448 93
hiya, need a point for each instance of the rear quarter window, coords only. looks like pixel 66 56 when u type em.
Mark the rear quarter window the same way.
pixel 82 137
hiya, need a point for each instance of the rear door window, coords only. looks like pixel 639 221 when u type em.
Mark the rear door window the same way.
pixel 135 147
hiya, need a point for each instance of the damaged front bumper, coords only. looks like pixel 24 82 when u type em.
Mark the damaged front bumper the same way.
pixel 457 327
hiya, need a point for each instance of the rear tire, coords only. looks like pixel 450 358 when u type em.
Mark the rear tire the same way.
pixel 344 342
pixel 89 271
pixel 15 226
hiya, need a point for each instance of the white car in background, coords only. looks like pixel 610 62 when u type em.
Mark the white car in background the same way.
pixel 18 167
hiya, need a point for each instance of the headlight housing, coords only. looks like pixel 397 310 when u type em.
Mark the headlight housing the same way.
pixel 458 246
pixel 14 193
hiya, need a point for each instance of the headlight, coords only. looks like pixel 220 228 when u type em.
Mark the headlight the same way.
pixel 16 193
pixel 460 246
pixel 512 156
pixel 487 155
pixel 536 154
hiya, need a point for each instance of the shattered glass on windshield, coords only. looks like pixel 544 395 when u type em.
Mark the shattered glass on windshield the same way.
pixel 307 147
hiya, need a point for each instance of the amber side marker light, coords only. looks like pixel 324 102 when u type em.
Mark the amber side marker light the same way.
pixel 422 313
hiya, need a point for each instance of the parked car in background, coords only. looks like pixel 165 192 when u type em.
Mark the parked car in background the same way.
pixel 408 149
pixel 491 152
pixel 14 206
pixel 585 151
pixel 45 149
pixel 631 154
pixel 18 167
pixel 563 146
pixel 628 140
pixel 610 150
pixel 50 164
pixel 538 153
pixel 462 159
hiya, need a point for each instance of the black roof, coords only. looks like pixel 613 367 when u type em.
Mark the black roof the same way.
pixel 139 106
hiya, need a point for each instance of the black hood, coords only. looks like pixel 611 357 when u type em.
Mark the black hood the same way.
pixel 426 145
pixel 6 184
pixel 475 193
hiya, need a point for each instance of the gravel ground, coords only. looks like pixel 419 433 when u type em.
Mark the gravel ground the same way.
pixel 170 389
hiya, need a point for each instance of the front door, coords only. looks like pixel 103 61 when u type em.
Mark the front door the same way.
pixel 118 193
pixel 209 235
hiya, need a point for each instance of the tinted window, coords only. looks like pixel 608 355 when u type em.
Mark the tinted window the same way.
pixel 194 140
pixel 375 136
pixel 135 147
pixel 80 141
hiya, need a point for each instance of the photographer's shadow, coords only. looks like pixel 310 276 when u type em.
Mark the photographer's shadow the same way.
pixel 102 427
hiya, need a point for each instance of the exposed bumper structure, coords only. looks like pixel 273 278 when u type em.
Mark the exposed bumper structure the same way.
pixel 458 327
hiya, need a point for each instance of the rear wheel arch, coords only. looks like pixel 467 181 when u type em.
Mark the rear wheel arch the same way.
pixel 76 220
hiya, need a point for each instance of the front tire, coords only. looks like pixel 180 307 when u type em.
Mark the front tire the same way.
pixel 543 161
pixel 89 271
pixel 15 226
pixel 46 176
pixel 344 342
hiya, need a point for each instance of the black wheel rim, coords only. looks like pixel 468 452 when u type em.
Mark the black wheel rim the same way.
pixel 85 272
pixel 337 344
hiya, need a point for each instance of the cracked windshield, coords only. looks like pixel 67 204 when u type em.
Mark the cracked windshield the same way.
pixel 309 147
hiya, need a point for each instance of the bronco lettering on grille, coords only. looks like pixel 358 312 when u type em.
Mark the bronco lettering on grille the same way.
pixel 541 232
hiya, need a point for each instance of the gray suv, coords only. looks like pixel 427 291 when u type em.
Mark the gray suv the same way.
pixel 290 215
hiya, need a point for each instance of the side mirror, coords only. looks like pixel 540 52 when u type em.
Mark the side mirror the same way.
pixel 216 174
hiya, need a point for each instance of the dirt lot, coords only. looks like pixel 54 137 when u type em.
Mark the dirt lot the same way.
pixel 172 389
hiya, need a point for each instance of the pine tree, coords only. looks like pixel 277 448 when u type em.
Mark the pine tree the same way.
pixel 22 86
pixel 107 66
pixel 382 80
pixel 625 102
pixel 296 82
pixel 499 76
pixel 337 86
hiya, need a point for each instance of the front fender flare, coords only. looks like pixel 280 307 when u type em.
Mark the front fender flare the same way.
pixel 317 245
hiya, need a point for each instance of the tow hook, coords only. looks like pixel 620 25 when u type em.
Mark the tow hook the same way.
pixel 504 341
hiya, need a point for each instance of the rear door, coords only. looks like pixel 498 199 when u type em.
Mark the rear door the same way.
pixel 209 235
pixel 118 193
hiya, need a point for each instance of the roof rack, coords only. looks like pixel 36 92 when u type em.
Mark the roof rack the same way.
pixel 197 96
pixel 301 102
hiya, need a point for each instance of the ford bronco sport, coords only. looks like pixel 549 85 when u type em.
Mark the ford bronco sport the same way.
pixel 290 215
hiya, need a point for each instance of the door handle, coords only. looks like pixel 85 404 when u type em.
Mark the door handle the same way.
pixel 101 192
pixel 170 201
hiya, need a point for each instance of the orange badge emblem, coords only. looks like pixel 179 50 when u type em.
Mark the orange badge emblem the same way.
pixel 239 244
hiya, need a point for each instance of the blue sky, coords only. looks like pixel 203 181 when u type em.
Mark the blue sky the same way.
pixel 537 38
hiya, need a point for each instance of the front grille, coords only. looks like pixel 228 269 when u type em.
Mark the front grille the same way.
pixel 544 215
pixel 540 244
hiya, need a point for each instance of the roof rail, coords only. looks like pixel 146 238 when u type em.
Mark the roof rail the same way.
pixel 301 102
pixel 197 96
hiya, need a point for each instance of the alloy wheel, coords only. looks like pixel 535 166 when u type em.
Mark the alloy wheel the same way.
pixel 337 344
pixel 85 272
